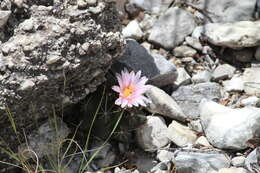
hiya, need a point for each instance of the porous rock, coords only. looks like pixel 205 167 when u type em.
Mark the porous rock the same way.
pixel 50 66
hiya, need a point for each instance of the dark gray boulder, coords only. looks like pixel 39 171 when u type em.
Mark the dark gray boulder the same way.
pixel 156 67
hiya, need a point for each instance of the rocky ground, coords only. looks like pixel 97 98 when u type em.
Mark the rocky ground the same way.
pixel 202 59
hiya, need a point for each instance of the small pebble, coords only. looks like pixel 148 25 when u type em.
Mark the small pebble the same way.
pixel 238 161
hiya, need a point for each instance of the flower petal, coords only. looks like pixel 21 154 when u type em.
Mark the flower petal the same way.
pixel 119 79
pixel 129 105
pixel 116 88
pixel 145 99
pixel 132 77
pixel 118 101
pixel 124 103
pixel 141 102
pixel 125 78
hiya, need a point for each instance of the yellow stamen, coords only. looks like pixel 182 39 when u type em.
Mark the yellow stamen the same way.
pixel 128 91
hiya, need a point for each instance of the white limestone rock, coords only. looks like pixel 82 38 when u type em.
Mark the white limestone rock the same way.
pixel 153 134
pixel 133 30
pixel 164 104
pixel 228 128
pixel 233 35
pixel 252 81
pixel 181 135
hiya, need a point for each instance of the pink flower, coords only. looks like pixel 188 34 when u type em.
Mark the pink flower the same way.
pixel 131 89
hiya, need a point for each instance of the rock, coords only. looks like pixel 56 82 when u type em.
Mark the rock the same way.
pixel 197 32
pixel 228 128
pixel 72 163
pixel 153 6
pixel 183 77
pixel 189 97
pixel 252 81
pixel 25 54
pixel 97 8
pixel 165 155
pixel 253 159
pixel 132 10
pixel 223 71
pixel 168 71
pixel 143 161
pixel 243 55
pixel 162 167
pixel 159 71
pixel 257 53
pixel 210 108
pixel 153 134
pixel 164 104
pixel 27 25
pixel 196 126
pixel 201 77
pixel 184 51
pixel 123 170
pixel 4 16
pixel 26 85
pixel 45 140
pixel 238 161
pixel 232 170
pixel 250 101
pixel 194 42
pixel 173 32
pixel 147 22
pixel 92 2
pixel 255 64
pixel 82 4
pixel 181 135
pixel 19 3
pixel 147 46
pixel 133 30
pixel 188 60
pixel 257 9
pixel 234 35
pixel 202 141
pixel 235 84
pixel 208 51
pixel 206 161
pixel 200 18
pixel 225 10
pixel 105 157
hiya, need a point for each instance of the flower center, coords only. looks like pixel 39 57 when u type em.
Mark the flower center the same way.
pixel 128 91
